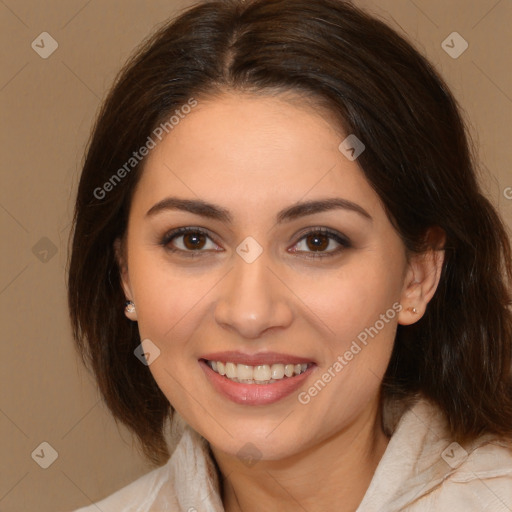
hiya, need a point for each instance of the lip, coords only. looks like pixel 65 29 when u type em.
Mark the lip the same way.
pixel 256 359
pixel 255 394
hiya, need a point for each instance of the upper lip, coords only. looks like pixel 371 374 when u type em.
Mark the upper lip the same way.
pixel 256 359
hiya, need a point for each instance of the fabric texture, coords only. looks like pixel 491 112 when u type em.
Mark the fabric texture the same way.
pixel 421 470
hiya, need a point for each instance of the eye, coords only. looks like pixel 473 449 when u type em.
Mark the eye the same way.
pixel 318 241
pixel 189 240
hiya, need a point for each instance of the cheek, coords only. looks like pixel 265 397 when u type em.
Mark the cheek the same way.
pixel 172 305
pixel 169 299
pixel 361 308
pixel 354 299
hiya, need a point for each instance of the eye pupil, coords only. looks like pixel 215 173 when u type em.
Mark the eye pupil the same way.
pixel 197 240
pixel 318 242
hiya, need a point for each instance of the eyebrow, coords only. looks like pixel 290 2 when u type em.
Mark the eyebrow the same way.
pixel 212 211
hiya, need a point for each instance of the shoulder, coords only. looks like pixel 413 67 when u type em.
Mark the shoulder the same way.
pixel 133 497
pixel 424 468
pixel 481 476
pixel 185 481
pixel 475 476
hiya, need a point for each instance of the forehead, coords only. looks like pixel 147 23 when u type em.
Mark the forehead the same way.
pixel 247 151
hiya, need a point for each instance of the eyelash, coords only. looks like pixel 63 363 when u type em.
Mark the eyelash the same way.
pixel 344 242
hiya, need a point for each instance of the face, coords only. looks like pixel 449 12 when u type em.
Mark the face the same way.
pixel 261 283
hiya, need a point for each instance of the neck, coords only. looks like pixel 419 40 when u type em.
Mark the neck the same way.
pixel 336 471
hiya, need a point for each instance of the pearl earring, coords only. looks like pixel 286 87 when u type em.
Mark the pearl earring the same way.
pixel 412 310
pixel 130 307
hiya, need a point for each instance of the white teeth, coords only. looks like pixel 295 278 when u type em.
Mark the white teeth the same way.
pixel 277 371
pixel 244 372
pixel 231 372
pixel 261 374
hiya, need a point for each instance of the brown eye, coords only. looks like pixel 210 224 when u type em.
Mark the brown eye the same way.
pixel 321 242
pixel 194 241
pixel 317 242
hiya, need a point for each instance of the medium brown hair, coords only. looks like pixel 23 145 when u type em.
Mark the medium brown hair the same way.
pixel 417 159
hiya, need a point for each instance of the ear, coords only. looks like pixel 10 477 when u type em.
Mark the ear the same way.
pixel 120 255
pixel 422 278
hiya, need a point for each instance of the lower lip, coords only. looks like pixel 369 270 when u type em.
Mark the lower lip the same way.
pixel 254 394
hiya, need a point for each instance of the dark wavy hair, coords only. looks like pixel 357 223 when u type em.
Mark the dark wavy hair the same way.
pixel 418 159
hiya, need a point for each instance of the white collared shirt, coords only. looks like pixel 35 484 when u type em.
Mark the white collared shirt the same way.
pixel 421 470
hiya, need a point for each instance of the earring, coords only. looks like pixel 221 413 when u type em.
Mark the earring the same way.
pixel 129 307
pixel 412 310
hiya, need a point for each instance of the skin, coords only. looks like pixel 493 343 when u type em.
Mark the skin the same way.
pixel 255 155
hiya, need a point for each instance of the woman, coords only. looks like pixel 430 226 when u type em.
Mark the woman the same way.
pixel 281 247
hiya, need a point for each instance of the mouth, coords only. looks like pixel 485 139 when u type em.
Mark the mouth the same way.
pixel 259 374
pixel 269 378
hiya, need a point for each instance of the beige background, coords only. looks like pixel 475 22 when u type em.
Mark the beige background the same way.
pixel 48 106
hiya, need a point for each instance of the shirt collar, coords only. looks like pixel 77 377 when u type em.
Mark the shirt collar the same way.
pixel 419 456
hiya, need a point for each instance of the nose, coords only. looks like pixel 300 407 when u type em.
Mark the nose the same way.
pixel 253 300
